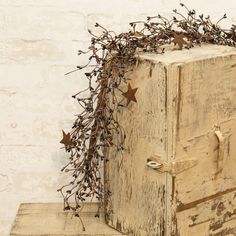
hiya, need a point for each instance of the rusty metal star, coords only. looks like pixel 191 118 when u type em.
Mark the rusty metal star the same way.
pixel 130 94
pixel 66 139
pixel 179 39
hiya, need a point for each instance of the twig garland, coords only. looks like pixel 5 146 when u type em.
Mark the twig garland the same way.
pixel 111 56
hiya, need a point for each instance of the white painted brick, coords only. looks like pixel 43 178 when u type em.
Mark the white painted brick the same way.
pixel 27 50
pixel 41 51
pixel 123 6
pixel 31 23
pixel 5 225
pixel 35 121
pixel 4 182
pixel 2 21
pixel 131 6
pixel 18 158
pixel 16 76
pixel 37 109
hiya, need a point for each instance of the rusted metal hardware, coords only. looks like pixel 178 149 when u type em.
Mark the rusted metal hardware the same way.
pixel 173 168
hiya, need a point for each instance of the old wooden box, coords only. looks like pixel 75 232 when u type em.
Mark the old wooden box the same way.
pixel 178 174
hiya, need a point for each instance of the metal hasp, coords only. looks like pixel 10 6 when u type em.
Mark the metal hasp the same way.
pixel 173 168
pixel 221 151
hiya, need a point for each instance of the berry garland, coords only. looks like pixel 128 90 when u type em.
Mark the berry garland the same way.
pixel 111 56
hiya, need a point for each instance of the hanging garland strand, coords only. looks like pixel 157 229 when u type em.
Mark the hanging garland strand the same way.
pixel 110 57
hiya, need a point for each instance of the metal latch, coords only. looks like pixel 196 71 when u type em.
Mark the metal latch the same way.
pixel 223 142
pixel 173 168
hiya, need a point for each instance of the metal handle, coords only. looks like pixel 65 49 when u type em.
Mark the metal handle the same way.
pixel 221 150
pixel 154 165
pixel 155 162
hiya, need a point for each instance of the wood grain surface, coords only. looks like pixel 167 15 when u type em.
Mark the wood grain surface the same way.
pixel 41 219
pixel 186 111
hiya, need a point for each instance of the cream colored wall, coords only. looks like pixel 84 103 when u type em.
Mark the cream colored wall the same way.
pixel 38 44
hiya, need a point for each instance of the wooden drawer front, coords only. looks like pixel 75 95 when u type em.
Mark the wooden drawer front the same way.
pixel 213 172
pixel 214 217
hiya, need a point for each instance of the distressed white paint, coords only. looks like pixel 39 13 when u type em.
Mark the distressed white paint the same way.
pixel 38 44
pixel 185 122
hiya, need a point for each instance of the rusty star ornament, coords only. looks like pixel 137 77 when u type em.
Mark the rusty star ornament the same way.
pixel 66 139
pixel 179 39
pixel 130 94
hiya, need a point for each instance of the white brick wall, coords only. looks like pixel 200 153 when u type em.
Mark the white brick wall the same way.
pixel 38 44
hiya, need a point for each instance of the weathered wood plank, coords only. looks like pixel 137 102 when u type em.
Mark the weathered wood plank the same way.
pixel 50 219
pixel 138 193
pixel 206 104
pixel 34 208
pixel 215 217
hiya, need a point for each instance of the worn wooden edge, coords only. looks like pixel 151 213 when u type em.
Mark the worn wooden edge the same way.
pixel 59 207
pixel 79 234
pixel 183 207
pixel 197 53
pixel 35 211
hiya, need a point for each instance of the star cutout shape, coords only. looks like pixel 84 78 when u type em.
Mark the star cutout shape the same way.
pixel 66 139
pixel 130 94
pixel 179 39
